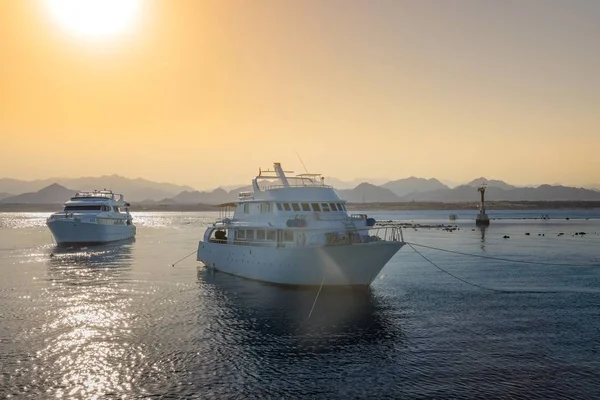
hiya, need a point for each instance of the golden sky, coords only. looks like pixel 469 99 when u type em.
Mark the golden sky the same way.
pixel 204 92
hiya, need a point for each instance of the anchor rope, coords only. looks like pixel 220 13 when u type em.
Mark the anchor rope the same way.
pixel 485 287
pixel 172 265
pixel 493 257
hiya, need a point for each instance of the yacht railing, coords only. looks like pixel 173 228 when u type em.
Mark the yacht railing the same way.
pixel 281 186
pixel 357 236
pixel 105 194
pixel 245 195
pixel 327 238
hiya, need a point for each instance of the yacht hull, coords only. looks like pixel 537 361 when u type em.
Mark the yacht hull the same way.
pixel 350 265
pixel 72 232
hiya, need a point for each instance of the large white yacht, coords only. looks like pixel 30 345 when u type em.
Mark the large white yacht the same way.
pixel 296 231
pixel 96 217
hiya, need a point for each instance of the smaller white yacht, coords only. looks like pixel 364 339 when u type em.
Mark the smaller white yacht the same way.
pixel 96 217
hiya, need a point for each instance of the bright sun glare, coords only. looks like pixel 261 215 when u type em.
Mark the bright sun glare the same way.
pixel 95 18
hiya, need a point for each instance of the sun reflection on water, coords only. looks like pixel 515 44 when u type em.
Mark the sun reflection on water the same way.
pixel 87 353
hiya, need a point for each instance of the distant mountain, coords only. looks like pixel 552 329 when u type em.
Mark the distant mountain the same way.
pixel 18 186
pixel 368 193
pixel 53 194
pixel 166 201
pixel 402 187
pixel 216 196
pixel 490 183
pixel 134 189
pixel 400 190
pixel 195 197
pixel 230 187
pixel 467 193
pixel 341 184
pixel 449 183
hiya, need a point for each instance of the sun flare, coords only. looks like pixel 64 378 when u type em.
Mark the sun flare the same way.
pixel 94 18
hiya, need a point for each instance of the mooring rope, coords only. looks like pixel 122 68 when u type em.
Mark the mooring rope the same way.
pixel 485 287
pixel 316 297
pixel 493 257
pixel 172 265
pixel 454 276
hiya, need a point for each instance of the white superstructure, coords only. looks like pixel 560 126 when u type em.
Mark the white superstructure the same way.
pixel 296 231
pixel 96 217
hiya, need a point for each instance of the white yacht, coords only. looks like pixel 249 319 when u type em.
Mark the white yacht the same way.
pixel 94 217
pixel 296 231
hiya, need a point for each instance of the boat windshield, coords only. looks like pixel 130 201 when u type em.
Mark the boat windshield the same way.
pixel 84 208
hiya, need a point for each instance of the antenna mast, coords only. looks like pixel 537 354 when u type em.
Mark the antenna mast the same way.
pixel 301 162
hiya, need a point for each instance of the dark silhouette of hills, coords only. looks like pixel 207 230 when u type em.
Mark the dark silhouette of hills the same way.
pixel 402 187
pixel 411 189
pixel 342 185
pixel 490 183
pixel 541 193
pixel 53 194
pixel 134 189
pixel 366 192
pixel 4 195
pixel 216 196
pixel 195 197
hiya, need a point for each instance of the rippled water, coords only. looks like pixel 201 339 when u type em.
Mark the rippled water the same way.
pixel 119 321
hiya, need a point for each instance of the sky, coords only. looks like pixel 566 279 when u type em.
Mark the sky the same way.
pixel 204 93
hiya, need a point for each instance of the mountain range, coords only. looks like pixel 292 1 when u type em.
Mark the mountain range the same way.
pixel 52 194
pixel 134 189
pixel 402 190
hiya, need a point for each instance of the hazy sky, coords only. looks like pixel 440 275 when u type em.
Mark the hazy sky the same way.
pixel 203 93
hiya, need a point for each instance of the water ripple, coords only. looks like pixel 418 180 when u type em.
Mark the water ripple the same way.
pixel 119 321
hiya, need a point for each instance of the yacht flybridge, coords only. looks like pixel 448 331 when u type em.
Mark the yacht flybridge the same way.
pixel 296 230
pixel 96 217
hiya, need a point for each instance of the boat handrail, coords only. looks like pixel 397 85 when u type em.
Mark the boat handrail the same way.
pixel 102 194
pixel 281 186
pixel 245 195
pixel 354 236
pixel 336 238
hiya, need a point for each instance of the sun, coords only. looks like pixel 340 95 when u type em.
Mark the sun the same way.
pixel 94 18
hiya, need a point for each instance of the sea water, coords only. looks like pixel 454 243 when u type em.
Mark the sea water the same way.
pixel 119 321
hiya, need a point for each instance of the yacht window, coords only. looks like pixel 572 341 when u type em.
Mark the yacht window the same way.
pixel 341 206
pixel 260 235
pixel 279 207
pixel 316 207
pixel 265 207
pixel 271 235
pixel 241 234
pixel 115 209
pixel 287 206
pixel 250 234
pixel 305 207
pixel 325 207
pixel 83 208
pixel 333 207
pixel 296 206
pixel 246 208
pixel 288 236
